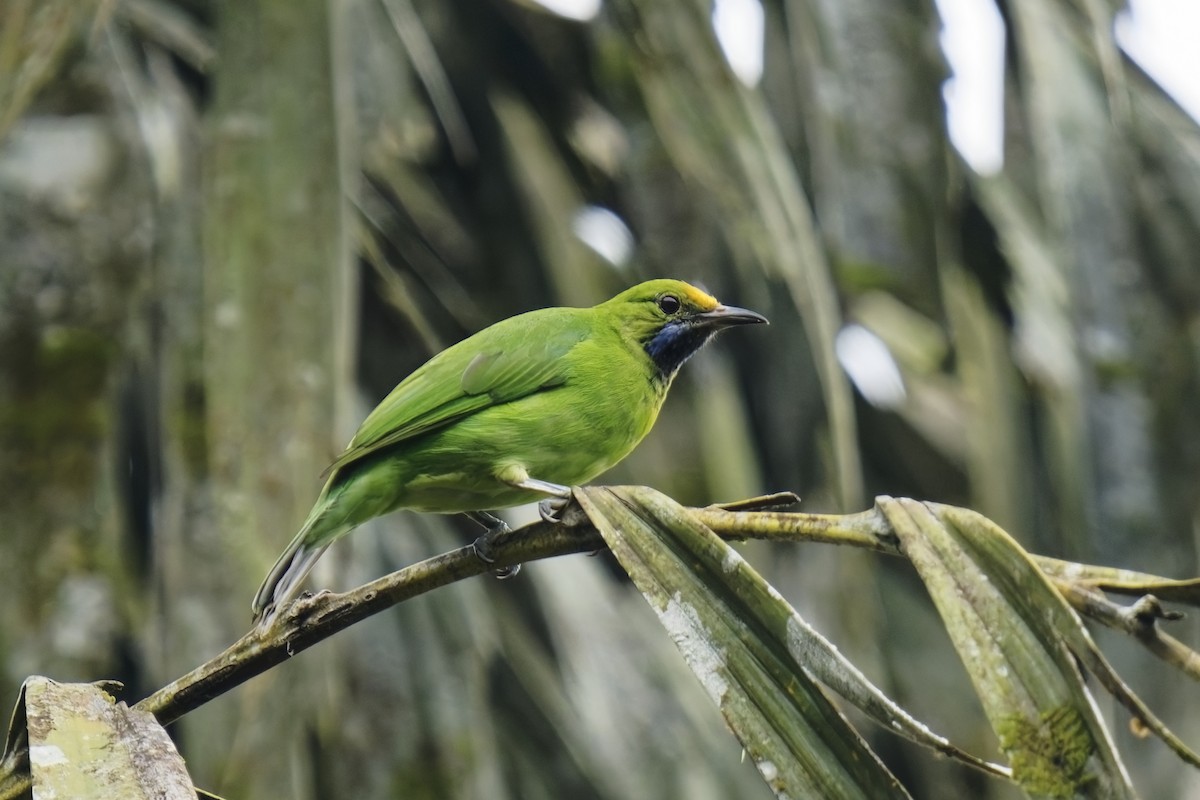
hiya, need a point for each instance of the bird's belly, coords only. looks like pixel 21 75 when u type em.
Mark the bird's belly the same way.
pixel 461 491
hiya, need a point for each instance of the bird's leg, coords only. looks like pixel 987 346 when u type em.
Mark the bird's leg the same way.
pixel 545 487
pixel 551 509
pixel 496 527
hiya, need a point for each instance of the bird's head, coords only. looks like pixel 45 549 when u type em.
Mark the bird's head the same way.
pixel 671 320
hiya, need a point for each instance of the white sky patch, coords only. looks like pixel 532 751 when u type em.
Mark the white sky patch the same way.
pixel 869 363
pixel 578 10
pixel 604 232
pixel 739 26
pixel 1163 37
pixel 973 41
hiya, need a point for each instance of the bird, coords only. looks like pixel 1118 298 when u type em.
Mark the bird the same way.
pixel 516 413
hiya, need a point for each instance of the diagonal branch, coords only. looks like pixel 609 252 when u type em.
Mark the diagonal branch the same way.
pixel 315 618
pixel 312 619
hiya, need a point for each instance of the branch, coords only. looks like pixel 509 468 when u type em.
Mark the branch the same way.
pixel 1139 620
pixel 312 619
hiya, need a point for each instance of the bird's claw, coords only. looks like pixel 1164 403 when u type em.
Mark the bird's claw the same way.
pixel 551 509
pixel 504 573
pixel 483 551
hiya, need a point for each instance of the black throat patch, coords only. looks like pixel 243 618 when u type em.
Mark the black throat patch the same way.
pixel 674 344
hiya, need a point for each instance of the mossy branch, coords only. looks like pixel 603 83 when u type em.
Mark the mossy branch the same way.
pixel 314 618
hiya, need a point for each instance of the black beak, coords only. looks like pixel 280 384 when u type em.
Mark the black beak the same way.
pixel 725 316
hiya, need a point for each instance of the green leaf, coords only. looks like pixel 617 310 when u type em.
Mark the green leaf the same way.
pixel 1049 612
pixel 800 743
pixel 14 760
pixel 1010 627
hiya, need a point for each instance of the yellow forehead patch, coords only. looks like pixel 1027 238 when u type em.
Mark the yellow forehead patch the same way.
pixel 702 299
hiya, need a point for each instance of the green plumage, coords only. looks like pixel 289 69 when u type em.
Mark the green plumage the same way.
pixel 556 395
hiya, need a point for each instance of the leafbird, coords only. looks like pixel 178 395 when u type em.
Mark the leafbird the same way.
pixel 516 413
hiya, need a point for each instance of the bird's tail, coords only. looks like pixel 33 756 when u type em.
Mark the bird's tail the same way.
pixel 283 581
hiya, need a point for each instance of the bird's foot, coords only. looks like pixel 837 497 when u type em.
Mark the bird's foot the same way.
pixel 551 509
pixel 483 546
pixel 483 551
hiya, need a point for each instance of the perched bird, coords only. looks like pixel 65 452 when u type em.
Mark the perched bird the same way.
pixel 516 413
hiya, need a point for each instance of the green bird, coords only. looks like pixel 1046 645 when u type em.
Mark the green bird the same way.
pixel 516 413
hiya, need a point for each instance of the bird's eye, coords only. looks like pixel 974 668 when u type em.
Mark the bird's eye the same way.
pixel 669 303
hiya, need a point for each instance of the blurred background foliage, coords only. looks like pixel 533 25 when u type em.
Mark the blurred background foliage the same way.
pixel 228 228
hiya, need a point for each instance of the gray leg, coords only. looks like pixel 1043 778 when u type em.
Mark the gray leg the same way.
pixel 545 487
pixel 551 508
pixel 496 527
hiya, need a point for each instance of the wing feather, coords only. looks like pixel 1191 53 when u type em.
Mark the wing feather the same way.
pixel 510 360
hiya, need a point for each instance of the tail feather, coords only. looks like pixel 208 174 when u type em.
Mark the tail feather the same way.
pixel 336 512
pixel 282 583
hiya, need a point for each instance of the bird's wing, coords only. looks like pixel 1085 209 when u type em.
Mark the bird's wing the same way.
pixel 519 357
